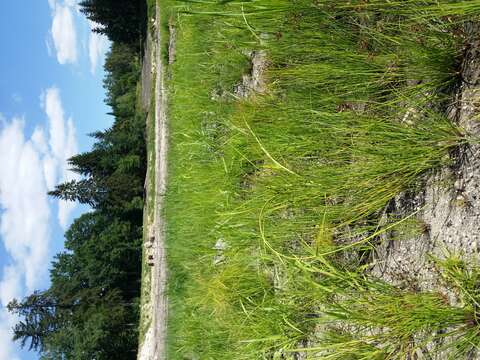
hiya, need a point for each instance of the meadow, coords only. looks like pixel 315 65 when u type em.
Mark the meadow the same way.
pixel 276 199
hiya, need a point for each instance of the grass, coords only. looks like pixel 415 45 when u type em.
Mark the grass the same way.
pixel 396 324
pixel 151 7
pixel 295 181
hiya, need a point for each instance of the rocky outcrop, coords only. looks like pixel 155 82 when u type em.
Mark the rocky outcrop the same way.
pixel 253 82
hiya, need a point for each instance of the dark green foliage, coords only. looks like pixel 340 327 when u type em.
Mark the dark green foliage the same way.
pixel 115 168
pixel 39 320
pixel 121 20
pixel 84 191
pixel 119 62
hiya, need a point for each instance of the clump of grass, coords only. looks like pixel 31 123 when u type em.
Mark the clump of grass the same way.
pixel 413 9
pixel 359 317
pixel 348 162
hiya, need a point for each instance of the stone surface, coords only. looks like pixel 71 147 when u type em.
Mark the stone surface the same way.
pixel 254 82
pixel 448 208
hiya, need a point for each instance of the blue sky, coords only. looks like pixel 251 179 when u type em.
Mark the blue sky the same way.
pixel 51 97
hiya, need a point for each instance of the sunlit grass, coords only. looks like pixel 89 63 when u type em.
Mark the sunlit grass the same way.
pixel 294 181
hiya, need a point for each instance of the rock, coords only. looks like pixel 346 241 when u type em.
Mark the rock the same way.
pixel 218 259
pixel 458 185
pixel 254 82
pixel 220 245
pixel 451 211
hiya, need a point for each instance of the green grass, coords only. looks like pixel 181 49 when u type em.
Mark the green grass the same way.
pixel 151 7
pixel 295 181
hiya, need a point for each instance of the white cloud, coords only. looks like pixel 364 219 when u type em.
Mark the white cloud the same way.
pixel 9 288
pixel 63 32
pixel 30 167
pixel 7 321
pixel 65 208
pixel 63 145
pixel 97 47
pixel 63 35
pixel 24 223
pixel 49 164
pixel 56 118
pixel 73 4
pixel 49 45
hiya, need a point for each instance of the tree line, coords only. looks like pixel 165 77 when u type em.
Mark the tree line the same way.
pixel 91 309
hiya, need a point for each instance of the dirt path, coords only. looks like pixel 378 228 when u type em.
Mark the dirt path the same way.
pixel 154 344
pixel 160 306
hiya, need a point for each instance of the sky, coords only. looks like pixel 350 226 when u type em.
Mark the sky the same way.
pixel 51 97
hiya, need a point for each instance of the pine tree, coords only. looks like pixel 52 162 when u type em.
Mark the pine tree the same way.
pixel 39 319
pixel 84 191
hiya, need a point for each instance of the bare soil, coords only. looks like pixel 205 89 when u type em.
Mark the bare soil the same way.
pixel 154 344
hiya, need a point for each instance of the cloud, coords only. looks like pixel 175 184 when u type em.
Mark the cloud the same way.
pixel 63 35
pixel 24 221
pixel 97 47
pixel 7 321
pixel 56 117
pixel 63 32
pixel 9 288
pixel 73 4
pixel 65 208
pixel 30 167
pixel 62 145
pixel 49 45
